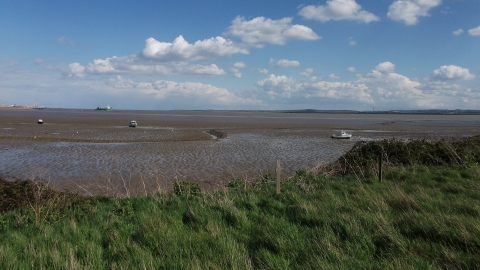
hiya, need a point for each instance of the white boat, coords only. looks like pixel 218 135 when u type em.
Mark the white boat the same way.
pixel 132 123
pixel 40 121
pixel 342 135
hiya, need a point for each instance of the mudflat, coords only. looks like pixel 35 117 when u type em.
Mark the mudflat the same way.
pixel 97 153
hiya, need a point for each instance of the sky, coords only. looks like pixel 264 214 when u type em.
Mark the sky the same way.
pixel 241 55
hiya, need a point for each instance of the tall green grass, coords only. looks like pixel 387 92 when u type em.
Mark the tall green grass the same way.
pixel 418 217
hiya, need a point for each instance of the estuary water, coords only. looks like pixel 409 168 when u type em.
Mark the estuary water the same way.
pixel 96 152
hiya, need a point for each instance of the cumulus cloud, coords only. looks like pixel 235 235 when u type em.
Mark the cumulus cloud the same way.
pixel 75 70
pixel 381 69
pixel 235 69
pixel 409 11
pixel 262 70
pixel 239 65
pixel 334 76
pixel 474 31
pixel 210 70
pixel 286 87
pixel 457 32
pixel 279 85
pixel 164 58
pixel 137 65
pixel 260 31
pixel 451 72
pixel 287 63
pixel 199 93
pixel 307 72
pixel 181 50
pixel 381 86
pixel 390 88
pixel 385 67
pixel 351 69
pixel 337 10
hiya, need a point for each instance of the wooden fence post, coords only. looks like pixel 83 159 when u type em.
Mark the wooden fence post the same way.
pixel 380 167
pixel 278 170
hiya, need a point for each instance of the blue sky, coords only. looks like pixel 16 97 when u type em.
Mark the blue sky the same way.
pixel 265 55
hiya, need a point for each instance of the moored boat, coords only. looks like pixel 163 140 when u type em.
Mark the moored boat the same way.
pixel 342 135
pixel 40 121
pixel 132 123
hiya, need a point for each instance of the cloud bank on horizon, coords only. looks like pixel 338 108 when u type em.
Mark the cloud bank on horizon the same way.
pixel 339 54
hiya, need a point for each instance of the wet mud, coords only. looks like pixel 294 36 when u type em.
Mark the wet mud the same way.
pixel 97 153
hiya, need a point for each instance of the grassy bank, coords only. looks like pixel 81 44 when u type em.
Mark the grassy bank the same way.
pixel 421 216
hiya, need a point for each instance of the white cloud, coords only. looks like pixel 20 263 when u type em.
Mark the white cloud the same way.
pixel 409 11
pixel 135 65
pixel 385 90
pixel 210 70
pixel 474 31
pixel 181 50
pixel 260 31
pixel 64 40
pixel 262 70
pixel 337 10
pixel 307 72
pixel 380 87
pixel 385 67
pixel 239 65
pixel 334 76
pixel 287 63
pixel 391 88
pixel 352 42
pixel 165 58
pixel 351 69
pixel 279 85
pixel 284 87
pixel 75 70
pixel 457 32
pixel 235 69
pixel 189 92
pixel 39 61
pixel 451 72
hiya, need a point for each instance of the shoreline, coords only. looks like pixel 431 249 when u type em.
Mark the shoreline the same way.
pixel 208 147
pixel 301 111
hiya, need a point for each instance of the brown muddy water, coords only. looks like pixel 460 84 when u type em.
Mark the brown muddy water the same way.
pixel 97 153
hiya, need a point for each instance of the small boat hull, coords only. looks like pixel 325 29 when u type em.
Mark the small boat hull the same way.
pixel 342 135
pixel 40 121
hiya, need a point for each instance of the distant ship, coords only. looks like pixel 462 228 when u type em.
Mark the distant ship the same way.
pixel 108 108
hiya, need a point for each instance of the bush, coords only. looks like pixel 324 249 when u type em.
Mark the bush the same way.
pixel 364 155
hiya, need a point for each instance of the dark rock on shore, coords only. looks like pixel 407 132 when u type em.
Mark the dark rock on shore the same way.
pixel 217 133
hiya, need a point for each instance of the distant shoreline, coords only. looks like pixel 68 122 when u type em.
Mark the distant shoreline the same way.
pixel 6 107
pixel 410 112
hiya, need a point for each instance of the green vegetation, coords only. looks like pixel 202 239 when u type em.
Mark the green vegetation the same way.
pixel 425 214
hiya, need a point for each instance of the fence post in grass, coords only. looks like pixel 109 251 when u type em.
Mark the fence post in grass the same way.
pixel 380 167
pixel 278 176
